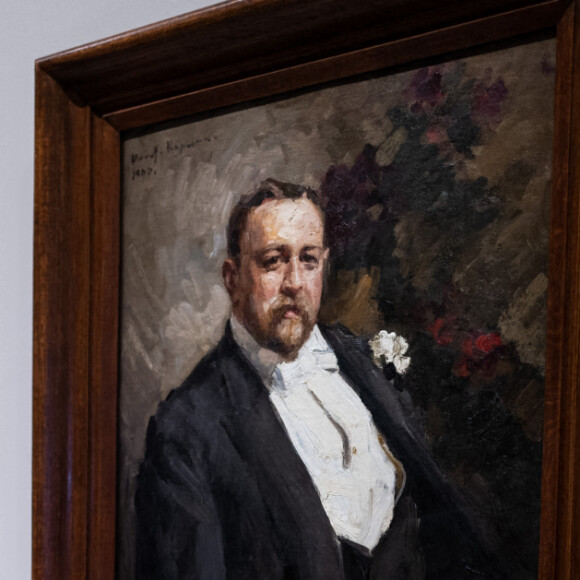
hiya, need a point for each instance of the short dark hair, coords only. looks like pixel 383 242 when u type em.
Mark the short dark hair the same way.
pixel 269 189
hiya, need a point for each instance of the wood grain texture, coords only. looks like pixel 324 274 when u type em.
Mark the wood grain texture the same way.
pixel 104 317
pixel 260 36
pixel 554 431
pixel 235 53
pixel 442 41
pixel 566 256
pixel 61 345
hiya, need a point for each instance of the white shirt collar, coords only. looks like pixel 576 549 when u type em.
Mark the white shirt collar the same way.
pixel 265 360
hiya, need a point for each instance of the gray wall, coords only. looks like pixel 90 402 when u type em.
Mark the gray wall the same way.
pixel 31 29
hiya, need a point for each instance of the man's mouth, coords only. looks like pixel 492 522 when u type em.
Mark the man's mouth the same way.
pixel 289 312
pixel 292 313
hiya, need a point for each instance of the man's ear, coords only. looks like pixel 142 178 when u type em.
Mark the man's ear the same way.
pixel 230 276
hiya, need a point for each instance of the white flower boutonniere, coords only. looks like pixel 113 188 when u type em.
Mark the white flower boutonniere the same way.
pixel 389 348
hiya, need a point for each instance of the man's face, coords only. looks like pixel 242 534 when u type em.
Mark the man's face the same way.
pixel 276 283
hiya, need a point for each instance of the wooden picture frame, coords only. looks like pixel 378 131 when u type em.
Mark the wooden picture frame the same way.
pixel 224 55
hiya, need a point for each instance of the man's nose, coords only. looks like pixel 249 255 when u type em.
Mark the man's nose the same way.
pixel 293 278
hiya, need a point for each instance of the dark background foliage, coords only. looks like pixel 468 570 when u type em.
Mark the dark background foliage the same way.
pixel 466 382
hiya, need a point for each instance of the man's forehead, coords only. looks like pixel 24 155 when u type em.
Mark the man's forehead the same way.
pixel 285 206
pixel 284 221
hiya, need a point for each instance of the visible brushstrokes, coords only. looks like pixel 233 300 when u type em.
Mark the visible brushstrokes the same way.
pixel 436 184
pixel 524 322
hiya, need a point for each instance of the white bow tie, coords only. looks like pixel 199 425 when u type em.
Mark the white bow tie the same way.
pixel 288 373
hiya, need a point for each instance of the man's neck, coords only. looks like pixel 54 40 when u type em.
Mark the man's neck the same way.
pixel 264 359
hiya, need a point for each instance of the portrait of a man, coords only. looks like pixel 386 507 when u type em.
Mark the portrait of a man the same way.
pixel 285 454
pixel 333 327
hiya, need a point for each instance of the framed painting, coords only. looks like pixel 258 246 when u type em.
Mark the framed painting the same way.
pixel 436 149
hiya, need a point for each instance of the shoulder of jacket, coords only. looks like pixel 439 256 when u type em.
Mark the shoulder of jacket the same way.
pixel 338 333
pixel 199 395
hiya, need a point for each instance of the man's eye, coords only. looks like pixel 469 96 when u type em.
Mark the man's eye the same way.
pixel 310 261
pixel 271 262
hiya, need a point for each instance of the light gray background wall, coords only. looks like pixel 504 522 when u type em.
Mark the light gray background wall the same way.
pixel 30 29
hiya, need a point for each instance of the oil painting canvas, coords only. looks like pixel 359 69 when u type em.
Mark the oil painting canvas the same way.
pixel 333 327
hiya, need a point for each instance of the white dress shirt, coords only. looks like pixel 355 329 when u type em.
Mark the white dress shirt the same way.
pixel 333 434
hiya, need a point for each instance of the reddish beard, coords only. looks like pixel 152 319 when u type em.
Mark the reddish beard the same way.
pixel 284 328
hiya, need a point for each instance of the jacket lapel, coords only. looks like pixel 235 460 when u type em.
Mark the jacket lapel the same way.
pixel 302 530
pixel 380 397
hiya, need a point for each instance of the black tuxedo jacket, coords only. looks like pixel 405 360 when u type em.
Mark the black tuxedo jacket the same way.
pixel 222 493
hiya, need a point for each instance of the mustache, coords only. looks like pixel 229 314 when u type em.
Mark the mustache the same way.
pixel 281 307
